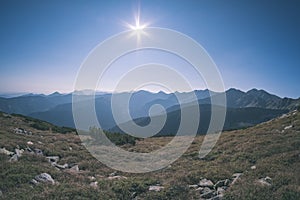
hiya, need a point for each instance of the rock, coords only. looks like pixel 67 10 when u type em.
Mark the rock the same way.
pixel 116 177
pixel 30 143
pixel 133 195
pixel 288 127
pixel 156 188
pixel 34 182
pixel 6 152
pixel 265 181
pixel 253 167
pixel 91 178
pixel 206 183
pixel 200 189
pixel 222 183
pixel 53 159
pixel 113 174
pixel 75 168
pixel 207 193
pixel 220 192
pixel 14 158
pixel 44 178
pixel 38 152
pixel 60 166
pixel 19 152
pixel 70 148
pixel 94 184
pixel 235 177
pixel 193 186
pixel 29 149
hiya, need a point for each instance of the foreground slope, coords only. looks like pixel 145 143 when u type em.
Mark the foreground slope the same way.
pixel 264 159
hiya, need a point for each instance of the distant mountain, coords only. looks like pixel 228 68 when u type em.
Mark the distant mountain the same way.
pixel 32 103
pixel 57 108
pixel 236 118
pixel 255 98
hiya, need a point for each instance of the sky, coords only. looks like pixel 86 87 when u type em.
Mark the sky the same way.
pixel 255 44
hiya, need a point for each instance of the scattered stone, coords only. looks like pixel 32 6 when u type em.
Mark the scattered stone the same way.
pixel 288 127
pixel 1 193
pixel 19 152
pixel 53 159
pixel 45 178
pixel 14 158
pixel 206 183
pixel 200 189
pixel 222 183
pixel 265 181
pixel 235 177
pixel 220 192
pixel 40 142
pixel 70 148
pixel 6 152
pixel 207 193
pixel 113 174
pixel 60 166
pixel 116 177
pixel 94 184
pixel 75 168
pixel 34 182
pixel 156 188
pixel 30 143
pixel 253 167
pixel 133 195
pixel 193 186
pixel 91 178
pixel 22 131
pixel 38 152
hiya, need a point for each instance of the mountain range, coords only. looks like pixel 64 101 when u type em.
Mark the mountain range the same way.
pixel 243 108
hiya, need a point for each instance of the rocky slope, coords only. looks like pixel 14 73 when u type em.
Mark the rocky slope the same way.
pixel 41 161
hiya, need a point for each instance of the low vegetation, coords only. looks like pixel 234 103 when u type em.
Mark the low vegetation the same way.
pixel 271 149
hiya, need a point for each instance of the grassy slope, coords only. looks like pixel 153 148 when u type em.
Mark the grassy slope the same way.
pixel 275 154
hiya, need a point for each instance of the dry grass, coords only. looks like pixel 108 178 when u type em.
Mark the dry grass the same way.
pixel 274 151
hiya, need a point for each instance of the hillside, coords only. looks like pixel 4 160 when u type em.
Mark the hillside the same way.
pixel 261 162
pixel 236 118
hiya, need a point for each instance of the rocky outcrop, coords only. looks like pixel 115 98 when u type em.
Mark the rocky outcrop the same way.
pixel 43 178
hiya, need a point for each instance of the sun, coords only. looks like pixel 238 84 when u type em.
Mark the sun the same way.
pixel 137 25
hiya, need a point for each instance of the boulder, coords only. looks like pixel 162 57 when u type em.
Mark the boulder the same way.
pixel 288 127
pixel 222 183
pixel 235 177
pixel 6 152
pixel 30 143
pixel 206 183
pixel 14 158
pixel 94 184
pixel 44 178
pixel 38 152
pixel 193 186
pixel 116 177
pixel 207 193
pixel 53 159
pixel 253 167
pixel 75 168
pixel 61 166
pixel 19 152
pixel 220 192
pixel 156 188
pixel 267 181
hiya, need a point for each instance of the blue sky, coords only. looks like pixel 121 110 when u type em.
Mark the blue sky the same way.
pixel 255 44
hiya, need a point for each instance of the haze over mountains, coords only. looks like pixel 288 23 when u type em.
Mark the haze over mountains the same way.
pixel 243 108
